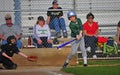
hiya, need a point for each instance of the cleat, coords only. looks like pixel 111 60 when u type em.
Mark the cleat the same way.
pixel 85 65
pixel 65 65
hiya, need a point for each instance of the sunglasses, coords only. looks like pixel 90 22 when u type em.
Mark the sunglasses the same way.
pixel 8 19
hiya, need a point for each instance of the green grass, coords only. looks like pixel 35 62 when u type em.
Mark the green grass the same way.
pixel 104 62
pixel 109 67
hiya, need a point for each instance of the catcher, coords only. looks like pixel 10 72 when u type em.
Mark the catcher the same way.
pixel 8 50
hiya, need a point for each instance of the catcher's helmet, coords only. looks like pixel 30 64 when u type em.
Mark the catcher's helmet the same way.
pixel 9 38
pixel 71 13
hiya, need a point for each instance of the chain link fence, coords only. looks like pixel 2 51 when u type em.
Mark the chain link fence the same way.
pixel 25 13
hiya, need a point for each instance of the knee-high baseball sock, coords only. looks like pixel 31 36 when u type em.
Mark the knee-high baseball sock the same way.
pixel 85 60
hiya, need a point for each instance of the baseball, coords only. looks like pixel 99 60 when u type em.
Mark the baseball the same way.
pixel 59 48
pixel 77 62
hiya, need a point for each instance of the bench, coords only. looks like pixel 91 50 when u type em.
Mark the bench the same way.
pixel 105 30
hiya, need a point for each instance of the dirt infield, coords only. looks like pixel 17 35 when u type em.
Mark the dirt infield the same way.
pixel 46 57
pixel 34 70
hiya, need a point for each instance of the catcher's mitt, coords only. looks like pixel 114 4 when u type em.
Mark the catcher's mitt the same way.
pixel 32 58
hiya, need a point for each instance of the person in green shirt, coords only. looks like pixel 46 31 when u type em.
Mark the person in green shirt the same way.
pixel 76 32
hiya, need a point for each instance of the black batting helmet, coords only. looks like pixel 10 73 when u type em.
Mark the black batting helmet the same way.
pixel 9 38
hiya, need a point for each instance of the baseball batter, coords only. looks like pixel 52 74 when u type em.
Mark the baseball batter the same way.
pixel 76 32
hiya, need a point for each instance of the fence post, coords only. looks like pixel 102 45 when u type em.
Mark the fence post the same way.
pixel 17 13
pixel 74 4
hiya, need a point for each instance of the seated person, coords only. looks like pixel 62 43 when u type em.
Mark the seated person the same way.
pixel 7 52
pixel 55 20
pixel 8 29
pixel 90 31
pixel 118 33
pixel 42 35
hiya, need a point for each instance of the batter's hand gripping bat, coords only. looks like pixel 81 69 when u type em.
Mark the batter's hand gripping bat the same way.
pixel 66 43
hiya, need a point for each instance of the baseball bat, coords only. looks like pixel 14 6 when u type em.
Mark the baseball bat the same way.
pixel 66 43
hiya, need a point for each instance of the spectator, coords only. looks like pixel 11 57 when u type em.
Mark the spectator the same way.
pixel 76 32
pixel 118 33
pixel 9 29
pixel 90 31
pixel 55 20
pixel 42 35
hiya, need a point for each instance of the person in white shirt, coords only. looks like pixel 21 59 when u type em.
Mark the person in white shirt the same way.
pixel 42 35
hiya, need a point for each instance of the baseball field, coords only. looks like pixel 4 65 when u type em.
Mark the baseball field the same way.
pixel 50 62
